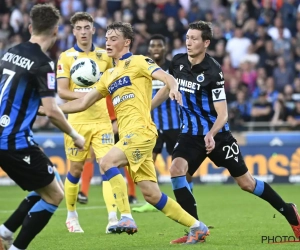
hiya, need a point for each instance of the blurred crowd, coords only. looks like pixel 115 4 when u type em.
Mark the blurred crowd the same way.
pixel 257 43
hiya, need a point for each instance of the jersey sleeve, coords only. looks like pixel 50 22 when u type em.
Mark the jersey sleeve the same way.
pixel 45 80
pixel 171 72
pixel 217 87
pixel 100 86
pixel 63 67
pixel 147 66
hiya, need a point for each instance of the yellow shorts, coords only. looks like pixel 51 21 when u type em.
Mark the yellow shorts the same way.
pixel 138 146
pixel 99 136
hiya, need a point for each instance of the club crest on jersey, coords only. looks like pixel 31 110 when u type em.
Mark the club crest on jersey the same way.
pixel 98 55
pixel 200 78
pixel 75 58
pixel 127 62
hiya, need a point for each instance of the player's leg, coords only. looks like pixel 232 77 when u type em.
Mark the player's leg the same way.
pixel 147 207
pixel 36 175
pixel 77 159
pixel 86 177
pixel 101 148
pixel 131 188
pixel 109 165
pixel 11 225
pixel 187 157
pixel 227 154
pixel 146 179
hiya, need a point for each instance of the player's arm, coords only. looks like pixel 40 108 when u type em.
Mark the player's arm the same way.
pixel 171 86
pixel 45 83
pixel 222 116
pixel 219 102
pixel 64 91
pixel 82 103
pixel 161 96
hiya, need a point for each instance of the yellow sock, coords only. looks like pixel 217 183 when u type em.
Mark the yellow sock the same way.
pixel 71 192
pixel 174 211
pixel 109 198
pixel 119 189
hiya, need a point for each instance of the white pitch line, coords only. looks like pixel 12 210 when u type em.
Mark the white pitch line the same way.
pixel 78 208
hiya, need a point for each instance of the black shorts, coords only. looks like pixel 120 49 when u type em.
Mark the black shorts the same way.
pixel 166 136
pixel 30 168
pixel 226 154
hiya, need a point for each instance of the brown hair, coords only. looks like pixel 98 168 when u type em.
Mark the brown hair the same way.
pixel 81 16
pixel 44 17
pixel 204 27
pixel 125 28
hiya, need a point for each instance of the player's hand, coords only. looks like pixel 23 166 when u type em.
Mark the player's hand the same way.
pixel 41 111
pixel 78 139
pixel 209 142
pixel 175 95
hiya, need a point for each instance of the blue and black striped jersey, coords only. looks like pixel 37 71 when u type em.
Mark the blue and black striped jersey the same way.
pixel 165 116
pixel 26 76
pixel 200 86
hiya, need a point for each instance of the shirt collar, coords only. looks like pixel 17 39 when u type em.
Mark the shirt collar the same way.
pixel 125 56
pixel 80 50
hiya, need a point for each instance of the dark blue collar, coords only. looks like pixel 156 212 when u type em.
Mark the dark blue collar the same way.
pixel 80 50
pixel 125 56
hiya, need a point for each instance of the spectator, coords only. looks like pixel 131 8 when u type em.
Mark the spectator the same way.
pixel 282 74
pixel 238 41
pixel 262 109
pixel 294 118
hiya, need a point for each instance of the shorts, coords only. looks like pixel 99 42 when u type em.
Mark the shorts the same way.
pixel 166 136
pixel 99 136
pixel 226 154
pixel 138 147
pixel 30 168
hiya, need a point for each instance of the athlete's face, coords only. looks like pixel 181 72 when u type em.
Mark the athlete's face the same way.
pixel 194 43
pixel 83 31
pixel 157 49
pixel 116 43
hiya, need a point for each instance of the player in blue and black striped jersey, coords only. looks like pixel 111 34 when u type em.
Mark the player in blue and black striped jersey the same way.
pixel 205 131
pixel 26 78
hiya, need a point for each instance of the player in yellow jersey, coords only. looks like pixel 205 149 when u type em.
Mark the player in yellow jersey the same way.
pixel 130 85
pixel 94 123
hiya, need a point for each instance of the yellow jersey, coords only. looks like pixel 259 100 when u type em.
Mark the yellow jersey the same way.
pixel 130 85
pixel 97 113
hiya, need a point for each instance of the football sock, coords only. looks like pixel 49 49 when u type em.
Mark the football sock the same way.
pixel 109 198
pixel 184 195
pixel 175 212
pixel 130 183
pixel 191 185
pixel 87 175
pixel 71 192
pixel 265 192
pixel 18 216
pixel 119 189
pixel 37 218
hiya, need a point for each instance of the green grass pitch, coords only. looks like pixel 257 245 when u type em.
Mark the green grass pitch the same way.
pixel 240 220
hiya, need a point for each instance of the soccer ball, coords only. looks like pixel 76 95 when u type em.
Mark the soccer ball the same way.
pixel 85 72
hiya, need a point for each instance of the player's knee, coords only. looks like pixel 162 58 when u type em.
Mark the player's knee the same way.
pixel 105 164
pixel 247 186
pixel 76 169
pixel 177 170
pixel 152 197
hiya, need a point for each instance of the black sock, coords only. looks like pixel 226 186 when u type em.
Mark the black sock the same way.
pixel 265 192
pixel 17 218
pixel 184 196
pixel 34 222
